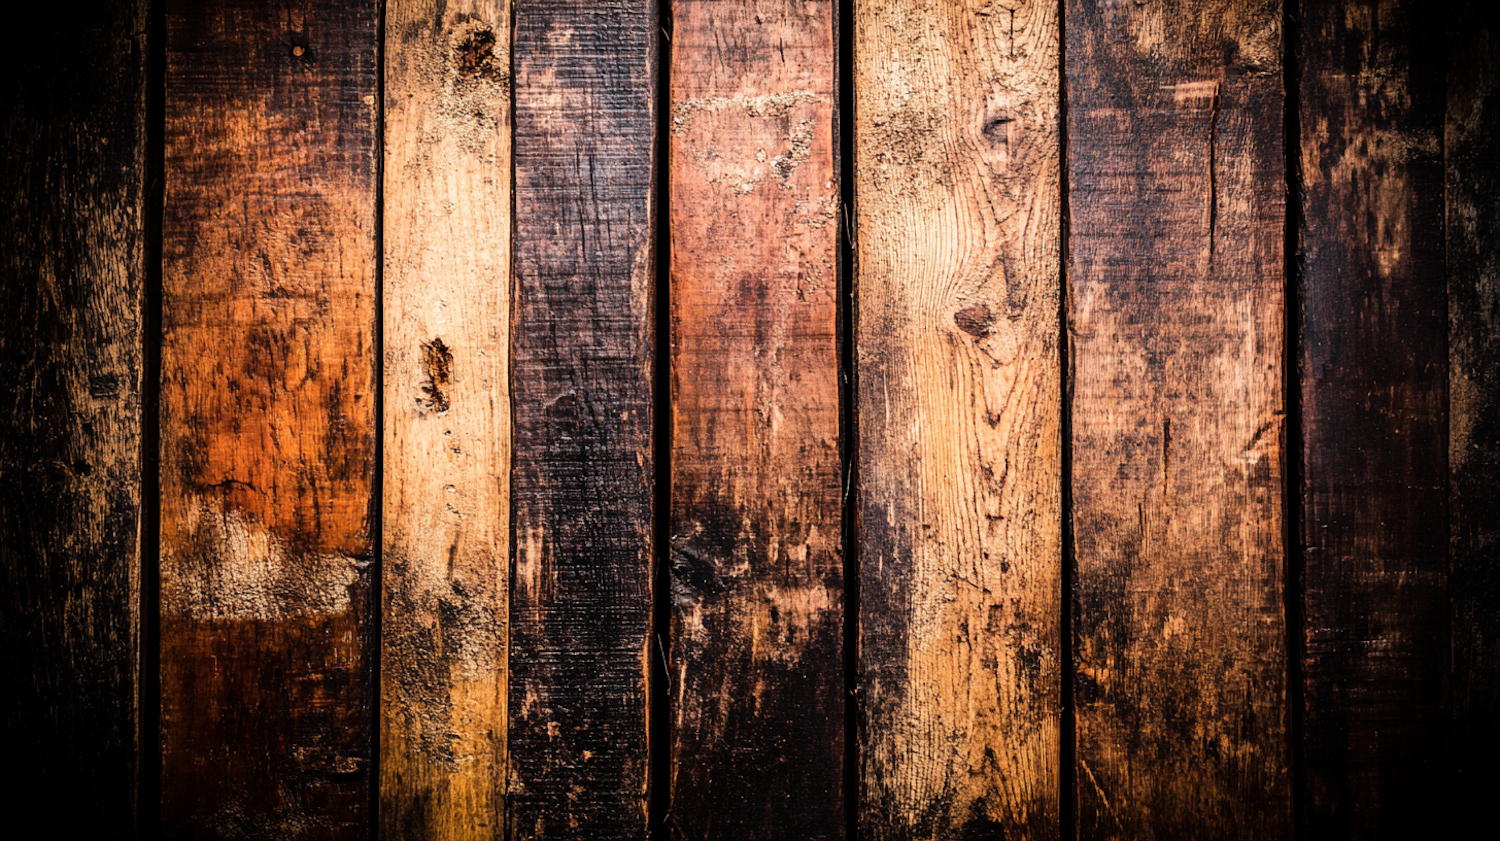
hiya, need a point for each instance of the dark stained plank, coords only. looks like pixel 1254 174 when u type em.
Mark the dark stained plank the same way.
pixel 1372 354
pixel 72 271
pixel 267 419
pixel 1472 161
pixel 446 484
pixel 757 673
pixel 959 418
pixel 1176 276
pixel 581 378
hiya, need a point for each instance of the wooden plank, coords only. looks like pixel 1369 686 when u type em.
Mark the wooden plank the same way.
pixel 757 586
pixel 72 273
pixel 1472 163
pixel 446 307
pixel 582 361
pixel 959 403
pixel 267 419
pixel 1176 275
pixel 1372 351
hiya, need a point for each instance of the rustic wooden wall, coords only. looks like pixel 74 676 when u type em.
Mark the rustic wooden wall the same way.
pixel 1067 419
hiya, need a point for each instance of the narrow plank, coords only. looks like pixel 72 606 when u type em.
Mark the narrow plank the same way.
pixel 1176 276
pixel 446 308
pixel 757 585
pixel 1472 163
pixel 1372 352
pixel 959 403
pixel 72 271
pixel 267 419
pixel 581 379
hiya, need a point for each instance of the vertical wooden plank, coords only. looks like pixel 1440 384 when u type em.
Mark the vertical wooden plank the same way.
pixel 581 382
pixel 72 269
pixel 1472 162
pixel 959 505
pixel 1373 347
pixel 1176 275
pixel 267 416
pixel 446 307
pixel 757 566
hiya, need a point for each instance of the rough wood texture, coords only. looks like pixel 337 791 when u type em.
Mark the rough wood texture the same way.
pixel 72 268
pixel 757 568
pixel 1176 230
pixel 956 133
pixel 1472 152
pixel 446 286
pixel 1372 351
pixel 267 415
pixel 582 390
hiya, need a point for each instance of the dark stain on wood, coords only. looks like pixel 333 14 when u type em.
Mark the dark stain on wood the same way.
pixel 437 364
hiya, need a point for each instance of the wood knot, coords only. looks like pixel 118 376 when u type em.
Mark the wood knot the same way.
pixel 975 320
pixel 997 127
pixel 474 53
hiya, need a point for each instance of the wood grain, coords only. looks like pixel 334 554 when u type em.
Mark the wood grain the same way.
pixel 72 273
pixel 582 361
pixel 1472 183
pixel 1372 351
pixel 757 569
pixel 959 442
pixel 267 419
pixel 446 307
pixel 1176 276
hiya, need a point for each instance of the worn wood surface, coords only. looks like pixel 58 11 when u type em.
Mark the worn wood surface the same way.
pixel 1472 162
pixel 1175 271
pixel 446 484
pixel 582 363
pixel 267 419
pixel 757 570
pixel 1372 352
pixel 72 271
pixel 959 499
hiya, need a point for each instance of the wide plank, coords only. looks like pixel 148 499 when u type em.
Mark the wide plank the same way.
pixel 1176 197
pixel 583 343
pixel 757 676
pixel 268 419
pixel 959 404
pixel 1372 351
pixel 73 99
pixel 446 485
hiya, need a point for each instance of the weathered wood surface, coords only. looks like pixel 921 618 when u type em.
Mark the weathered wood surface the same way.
pixel 1176 274
pixel 1372 353
pixel 959 498
pixel 757 674
pixel 446 307
pixel 72 271
pixel 1472 156
pixel 267 420
pixel 583 344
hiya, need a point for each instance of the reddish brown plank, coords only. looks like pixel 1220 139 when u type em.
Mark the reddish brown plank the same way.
pixel 446 483
pixel 1372 353
pixel 959 409
pixel 1175 280
pixel 72 272
pixel 581 377
pixel 757 568
pixel 267 422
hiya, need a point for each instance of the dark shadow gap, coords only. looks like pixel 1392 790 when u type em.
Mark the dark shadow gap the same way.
pixel 1292 403
pixel 1067 747
pixel 377 485
pixel 148 707
pixel 659 732
pixel 844 167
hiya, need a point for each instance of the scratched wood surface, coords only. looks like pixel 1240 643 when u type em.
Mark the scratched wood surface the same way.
pixel 757 570
pixel 1372 352
pixel 582 364
pixel 1472 164
pixel 1175 272
pixel 958 401
pixel 446 308
pixel 267 420
pixel 72 273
